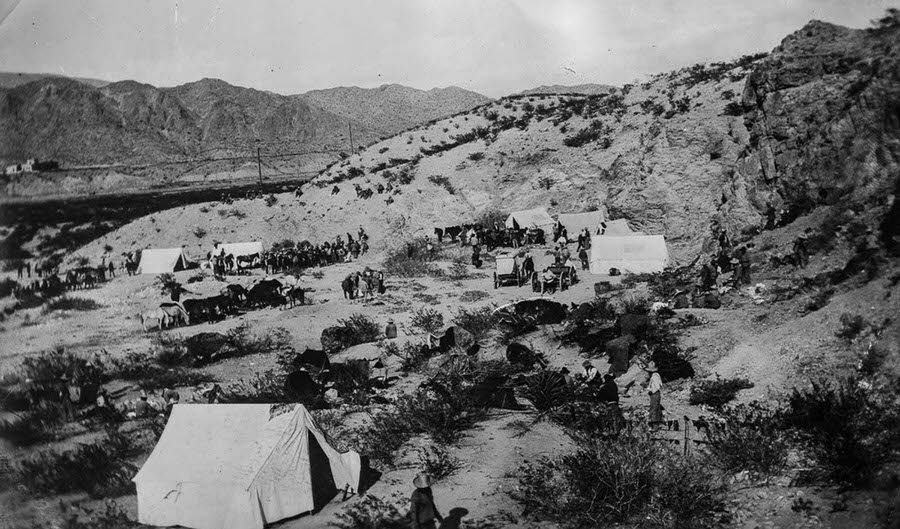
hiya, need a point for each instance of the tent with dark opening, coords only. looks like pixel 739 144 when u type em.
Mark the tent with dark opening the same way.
pixel 162 260
pixel 530 218
pixel 240 466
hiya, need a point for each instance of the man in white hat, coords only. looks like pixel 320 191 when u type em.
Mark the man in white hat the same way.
pixel 654 389
pixel 423 512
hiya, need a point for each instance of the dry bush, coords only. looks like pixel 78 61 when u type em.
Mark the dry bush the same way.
pixel 478 321
pixel 719 392
pixel 749 438
pixel 437 462
pixel 100 468
pixel 426 320
pixel 370 512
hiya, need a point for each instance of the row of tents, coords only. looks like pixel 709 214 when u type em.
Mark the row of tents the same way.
pixel 613 243
pixel 167 260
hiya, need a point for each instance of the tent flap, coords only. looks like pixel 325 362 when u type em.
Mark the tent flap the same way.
pixel 631 253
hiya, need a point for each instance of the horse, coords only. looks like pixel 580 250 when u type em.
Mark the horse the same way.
pixel 176 313
pixel 247 261
pixel 159 318
pixel 294 295
pixel 236 293
pixel 197 309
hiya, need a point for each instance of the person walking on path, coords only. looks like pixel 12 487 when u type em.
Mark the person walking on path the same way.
pixel 654 390
pixel 423 511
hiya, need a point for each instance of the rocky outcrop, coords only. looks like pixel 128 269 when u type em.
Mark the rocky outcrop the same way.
pixel 823 113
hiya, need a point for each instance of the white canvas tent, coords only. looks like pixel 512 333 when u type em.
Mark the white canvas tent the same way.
pixel 239 248
pixel 162 260
pixel 530 218
pixel 629 253
pixel 617 228
pixel 575 222
pixel 236 466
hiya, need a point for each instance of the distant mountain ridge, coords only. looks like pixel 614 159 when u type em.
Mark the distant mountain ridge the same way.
pixel 393 108
pixel 74 122
pixel 586 89
pixel 14 79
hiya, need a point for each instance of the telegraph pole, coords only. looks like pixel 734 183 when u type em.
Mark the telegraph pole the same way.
pixel 259 167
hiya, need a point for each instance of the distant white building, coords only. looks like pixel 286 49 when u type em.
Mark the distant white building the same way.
pixel 31 165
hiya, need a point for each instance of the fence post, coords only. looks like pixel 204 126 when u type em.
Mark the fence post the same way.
pixel 687 434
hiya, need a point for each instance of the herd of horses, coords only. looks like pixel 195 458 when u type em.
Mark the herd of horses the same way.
pixel 230 301
pixel 50 285
pixel 491 237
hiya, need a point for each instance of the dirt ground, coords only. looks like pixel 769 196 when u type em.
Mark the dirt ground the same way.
pixel 772 344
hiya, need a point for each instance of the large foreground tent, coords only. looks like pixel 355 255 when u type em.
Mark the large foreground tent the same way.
pixel 530 218
pixel 575 222
pixel 239 466
pixel 238 249
pixel 162 260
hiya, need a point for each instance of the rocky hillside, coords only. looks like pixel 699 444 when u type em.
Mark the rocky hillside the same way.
pixel 390 109
pixel 814 123
pixel 130 122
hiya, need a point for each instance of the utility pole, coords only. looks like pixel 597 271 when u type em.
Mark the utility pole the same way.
pixel 350 124
pixel 259 167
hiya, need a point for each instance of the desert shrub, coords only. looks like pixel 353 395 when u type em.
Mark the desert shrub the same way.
pixel 410 259
pixel 271 200
pixel 478 321
pixel 426 320
pixel 172 350
pixel 476 156
pixel 734 108
pixel 749 438
pixel 491 217
pixel 234 212
pixel 673 361
pixel 601 482
pixel 458 271
pixel 110 516
pixel 100 468
pixel 472 296
pixel 687 492
pixel 547 390
pixel 851 326
pixel 849 430
pixel 150 375
pixel 719 392
pixel 437 462
pixel 583 419
pixel 442 181
pixel 414 356
pixel 47 367
pixel 359 328
pixel 818 299
pixel 199 232
pixel 169 285
pixel 262 388
pixel 594 132
pixel 370 512
pixel 545 182
pixel 70 303
pixel 32 426
pixel 634 304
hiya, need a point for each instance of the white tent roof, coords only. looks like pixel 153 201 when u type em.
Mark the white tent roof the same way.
pixel 239 248
pixel 162 260
pixel 235 466
pixel 618 228
pixel 628 253
pixel 575 222
pixel 530 218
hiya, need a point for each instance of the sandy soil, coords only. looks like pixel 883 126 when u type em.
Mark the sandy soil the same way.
pixel 773 345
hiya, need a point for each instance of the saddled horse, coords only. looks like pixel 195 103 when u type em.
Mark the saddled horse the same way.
pixel 247 261
pixel 294 295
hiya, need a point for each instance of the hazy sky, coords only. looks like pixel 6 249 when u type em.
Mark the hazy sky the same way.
pixel 495 47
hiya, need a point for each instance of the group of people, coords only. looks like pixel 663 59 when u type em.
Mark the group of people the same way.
pixel 607 391
pixel 363 285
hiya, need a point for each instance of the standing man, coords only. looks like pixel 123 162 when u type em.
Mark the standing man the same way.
pixel 423 511
pixel 654 390
pixel 20 265
pixel 28 268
